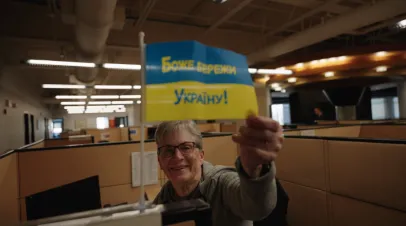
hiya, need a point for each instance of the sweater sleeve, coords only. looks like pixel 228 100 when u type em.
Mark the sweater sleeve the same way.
pixel 251 199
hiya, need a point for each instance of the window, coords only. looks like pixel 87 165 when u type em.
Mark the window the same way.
pixel 378 108
pixel 395 104
pixel 385 108
pixel 102 122
pixel 281 113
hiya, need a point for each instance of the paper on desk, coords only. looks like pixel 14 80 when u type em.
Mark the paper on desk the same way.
pixel 150 168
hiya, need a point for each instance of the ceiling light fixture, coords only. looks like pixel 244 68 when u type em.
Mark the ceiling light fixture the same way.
pixel 274 72
pixel 130 96
pixel 381 69
pixel 70 97
pixel 104 97
pixel 98 102
pixel 401 24
pixel 292 80
pixel 113 87
pixel 278 89
pixel 323 61
pixel 275 85
pixel 73 103
pixel 299 65
pixel 381 54
pixel 283 90
pixel 62 86
pixel 138 102
pixel 329 74
pixel 137 87
pixel 341 58
pixel 314 62
pixel 252 70
pixel 74 107
pixel 135 67
pixel 60 63
pixel 123 102
pixel 332 59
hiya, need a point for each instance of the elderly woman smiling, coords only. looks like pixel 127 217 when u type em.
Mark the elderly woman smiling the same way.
pixel 238 196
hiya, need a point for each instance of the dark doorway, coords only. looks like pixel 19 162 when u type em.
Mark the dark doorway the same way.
pixel 32 128
pixel 26 129
pixel 121 121
pixel 46 128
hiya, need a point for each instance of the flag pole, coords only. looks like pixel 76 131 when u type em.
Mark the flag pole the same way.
pixel 142 120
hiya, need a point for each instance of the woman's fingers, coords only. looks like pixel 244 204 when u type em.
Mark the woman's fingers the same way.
pixel 263 123
pixel 264 135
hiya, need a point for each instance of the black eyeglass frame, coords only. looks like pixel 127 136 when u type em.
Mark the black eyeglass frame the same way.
pixel 177 147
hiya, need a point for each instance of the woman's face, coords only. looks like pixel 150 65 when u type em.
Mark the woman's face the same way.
pixel 179 157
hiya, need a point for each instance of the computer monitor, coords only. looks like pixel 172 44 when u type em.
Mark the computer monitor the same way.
pixel 75 197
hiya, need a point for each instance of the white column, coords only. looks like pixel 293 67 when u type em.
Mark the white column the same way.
pixel 402 99
pixel 264 100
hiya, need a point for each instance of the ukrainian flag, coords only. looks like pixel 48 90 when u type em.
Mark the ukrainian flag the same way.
pixel 188 80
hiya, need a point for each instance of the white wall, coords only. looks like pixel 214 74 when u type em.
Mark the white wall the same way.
pixel 12 122
pixel 69 120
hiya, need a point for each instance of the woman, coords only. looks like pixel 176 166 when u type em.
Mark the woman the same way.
pixel 237 196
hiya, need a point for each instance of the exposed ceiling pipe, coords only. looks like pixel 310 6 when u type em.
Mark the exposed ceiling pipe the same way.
pixel 297 20
pixel 94 18
pixel 227 16
pixel 144 14
pixel 353 20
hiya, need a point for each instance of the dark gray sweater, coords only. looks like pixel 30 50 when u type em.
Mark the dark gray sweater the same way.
pixel 235 198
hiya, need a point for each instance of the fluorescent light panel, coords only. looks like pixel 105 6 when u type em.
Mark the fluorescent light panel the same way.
pixel 113 87
pixel 137 87
pixel 98 102
pixel 70 97
pixel 130 96
pixel 292 80
pixel 60 63
pixel 104 97
pixel 73 103
pixel 274 72
pixel 252 70
pixel 63 86
pixel 135 67
pixel 123 102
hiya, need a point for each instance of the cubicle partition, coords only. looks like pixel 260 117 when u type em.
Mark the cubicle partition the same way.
pixel 344 181
pixel 9 205
pixel 28 171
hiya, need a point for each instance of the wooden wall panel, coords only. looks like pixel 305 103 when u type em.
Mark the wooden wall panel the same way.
pixel 9 206
pixel 373 172
pixel 307 206
pixel 220 150
pixel 350 212
pixel 209 127
pixel 228 128
pixel 302 161
pixel 346 131
pixel 384 131
pixel 114 134
pixel 49 143
pixel 137 135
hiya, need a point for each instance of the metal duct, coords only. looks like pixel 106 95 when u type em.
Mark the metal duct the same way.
pixel 348 22
pixel 94 18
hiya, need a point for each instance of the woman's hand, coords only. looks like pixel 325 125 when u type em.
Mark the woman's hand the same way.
pixel 260 141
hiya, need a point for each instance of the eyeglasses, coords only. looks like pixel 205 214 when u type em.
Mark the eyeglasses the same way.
pixel 168 151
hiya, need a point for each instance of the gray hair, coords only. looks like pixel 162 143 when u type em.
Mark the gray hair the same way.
pixel 168 127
